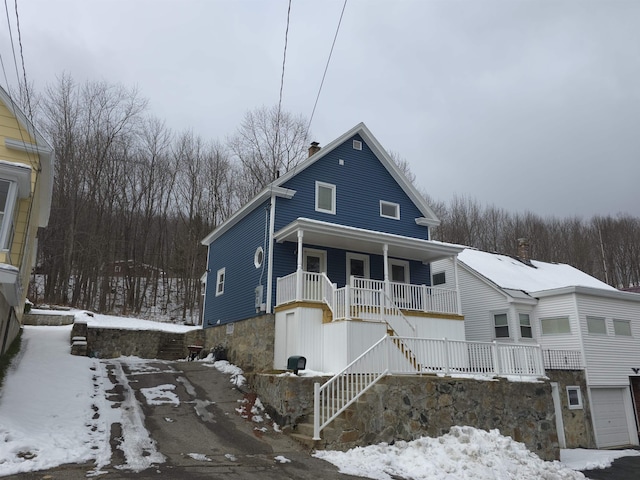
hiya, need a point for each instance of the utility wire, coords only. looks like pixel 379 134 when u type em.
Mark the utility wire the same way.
pixel 284 59
pixel 326 66
pixel 24 71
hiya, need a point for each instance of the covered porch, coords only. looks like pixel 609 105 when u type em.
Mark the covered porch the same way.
pixel 355 295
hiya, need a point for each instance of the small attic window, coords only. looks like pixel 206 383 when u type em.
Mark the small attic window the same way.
pixel 357 145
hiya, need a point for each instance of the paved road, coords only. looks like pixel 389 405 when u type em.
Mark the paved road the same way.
pixel 625 468
pixel 202 435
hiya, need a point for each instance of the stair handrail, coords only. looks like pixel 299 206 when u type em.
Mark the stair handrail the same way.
pixel 390 303
pixel 327 405
pixel 330 288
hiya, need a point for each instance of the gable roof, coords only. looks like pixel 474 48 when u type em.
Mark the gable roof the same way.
pixel 429 217
pixel 509 273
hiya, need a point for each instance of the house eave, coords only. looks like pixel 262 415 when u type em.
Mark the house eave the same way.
pixel 269 192
pixel 366 241
pixel 596 292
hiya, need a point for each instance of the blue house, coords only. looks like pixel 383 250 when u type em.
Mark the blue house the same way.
pixel 331 257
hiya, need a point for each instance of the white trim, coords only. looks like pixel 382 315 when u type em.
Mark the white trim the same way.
pixel 576 406
pixel 357 144
pixel 322 254
pixel 272 217
pixel 493 314
pixel 621 321
pixel 557 407
pixel 221 278
pixel 358 256
pixel 8 214
pixel 257 260
pixel 332 188
pixel 384 203
pixel 399 263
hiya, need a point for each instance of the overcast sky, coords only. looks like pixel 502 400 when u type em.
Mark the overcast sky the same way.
pixel 525 105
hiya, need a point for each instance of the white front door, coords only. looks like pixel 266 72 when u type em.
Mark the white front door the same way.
pixel 357 266
pixel 314 260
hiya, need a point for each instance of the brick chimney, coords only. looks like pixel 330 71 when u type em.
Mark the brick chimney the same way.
pixel 524 252
pixel 314 148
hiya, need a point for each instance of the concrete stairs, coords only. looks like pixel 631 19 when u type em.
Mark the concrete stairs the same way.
pixel 339 434
pixel 172 348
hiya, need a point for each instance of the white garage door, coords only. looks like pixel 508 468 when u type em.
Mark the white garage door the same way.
pixel 610 418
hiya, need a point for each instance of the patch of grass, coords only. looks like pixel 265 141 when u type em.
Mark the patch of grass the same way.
pixel 7 357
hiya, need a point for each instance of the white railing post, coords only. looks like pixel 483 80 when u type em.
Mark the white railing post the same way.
pixel 496 358
pixel 446 356
pixel 316 411
pixel 347 302
pixel 299 280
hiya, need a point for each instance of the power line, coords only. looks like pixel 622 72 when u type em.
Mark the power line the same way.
pixel 326 66
pixel 24 71
pixel 284 59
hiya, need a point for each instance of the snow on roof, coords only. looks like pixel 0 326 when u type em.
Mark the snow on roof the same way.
pixel 508 272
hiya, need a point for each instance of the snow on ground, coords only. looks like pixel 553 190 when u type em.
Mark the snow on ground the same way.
pixel 55 409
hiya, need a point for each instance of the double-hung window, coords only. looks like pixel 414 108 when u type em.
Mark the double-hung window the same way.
pixel 220 278
pixel 525 326
pixel 325 198
pixel 501 322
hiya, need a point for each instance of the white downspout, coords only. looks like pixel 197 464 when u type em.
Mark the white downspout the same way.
pixel 272 217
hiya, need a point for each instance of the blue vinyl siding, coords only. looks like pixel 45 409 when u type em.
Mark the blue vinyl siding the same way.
pixel 361 182
pixel 235 252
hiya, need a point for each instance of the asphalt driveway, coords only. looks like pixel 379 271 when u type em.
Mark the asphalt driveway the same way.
pixel 203 433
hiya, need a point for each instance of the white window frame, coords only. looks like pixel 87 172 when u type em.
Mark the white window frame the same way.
pixel 258 257
pixel 574 406
pixel 358 256
pixel 8 215
pixel 547 319
pixel 402 263
pixel 396 206
pixel 495 326
pixel 592 321
pixel 617 332
pixel 357 145
pixel 433 277
pixel 221 277
pixel 332 187
pixel 529 326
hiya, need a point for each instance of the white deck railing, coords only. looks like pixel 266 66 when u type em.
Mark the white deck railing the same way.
pixel 364 298
pixel 411 356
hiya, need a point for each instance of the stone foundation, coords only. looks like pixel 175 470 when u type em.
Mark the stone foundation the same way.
pixel 578 427
pixel 408 407
pixel 249 343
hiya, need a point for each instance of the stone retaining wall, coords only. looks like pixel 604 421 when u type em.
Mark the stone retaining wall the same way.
pixel 112 343
pixel 249 343
pixel 408 407
pixel 47 320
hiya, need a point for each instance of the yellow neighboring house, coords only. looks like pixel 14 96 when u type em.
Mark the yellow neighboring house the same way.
pixel 26 182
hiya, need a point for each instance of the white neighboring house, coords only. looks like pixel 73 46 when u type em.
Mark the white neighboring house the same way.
pixel 567 312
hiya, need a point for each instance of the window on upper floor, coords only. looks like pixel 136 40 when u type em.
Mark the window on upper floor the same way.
pixel 220 279
pixel 357 145
pixel 596 325
pixel 501 323
pixel 325 198
pixel 7 205
pixel 439 278
pixel 555 326
pixel 389 210
pixel 525 326
pixel 622 327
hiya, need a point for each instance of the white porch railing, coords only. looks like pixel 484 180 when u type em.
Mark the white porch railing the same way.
pixel 411 356
pixel 364 298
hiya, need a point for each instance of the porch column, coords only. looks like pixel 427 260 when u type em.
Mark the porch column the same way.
pixel 299 267
pixel 385 254
pixel 455 277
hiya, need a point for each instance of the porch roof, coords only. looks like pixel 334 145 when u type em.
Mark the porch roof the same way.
pixel 366 241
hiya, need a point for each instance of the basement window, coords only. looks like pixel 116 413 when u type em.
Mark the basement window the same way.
pixel 574 396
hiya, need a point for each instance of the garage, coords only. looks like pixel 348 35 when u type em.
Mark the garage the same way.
pixel 610 416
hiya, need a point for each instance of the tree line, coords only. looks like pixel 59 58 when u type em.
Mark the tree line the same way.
pixel 132 200
pixel 605 247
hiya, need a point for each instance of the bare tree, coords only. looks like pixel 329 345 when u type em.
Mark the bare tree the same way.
pixel 268 143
